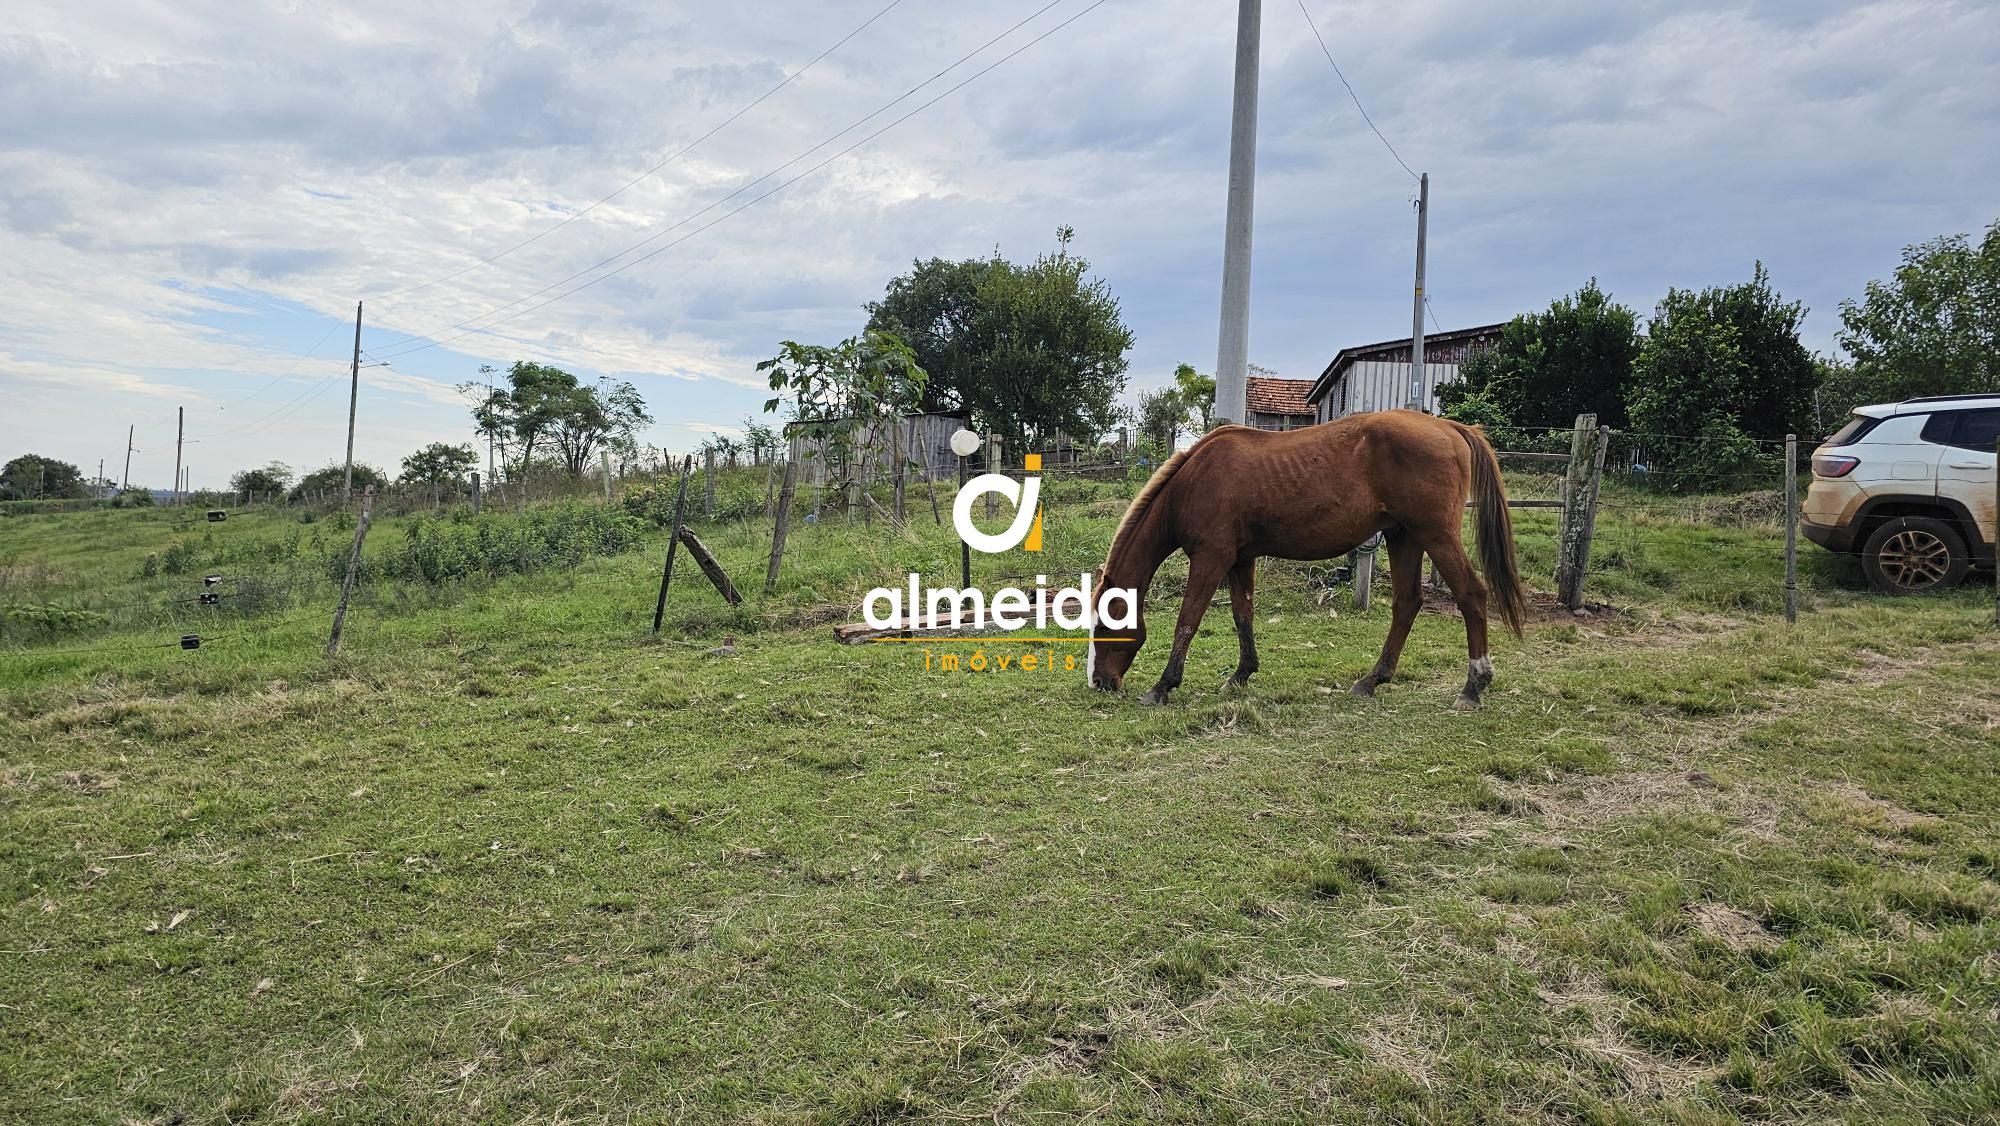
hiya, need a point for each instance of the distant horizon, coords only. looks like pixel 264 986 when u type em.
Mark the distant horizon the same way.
pixel 191 209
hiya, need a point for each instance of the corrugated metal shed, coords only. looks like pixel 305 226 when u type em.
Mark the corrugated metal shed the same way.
pixel 1374 377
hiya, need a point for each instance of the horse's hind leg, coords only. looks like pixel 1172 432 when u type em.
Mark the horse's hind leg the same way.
pixel 1406 561
pixel 1203 577
pixel 1242 607
pixel 1470 593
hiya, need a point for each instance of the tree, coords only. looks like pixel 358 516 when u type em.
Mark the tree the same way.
pixel 1160 417
pixel 32 475
pixel 1029 349
pixel 439 463
pixel 544 407
pixel 271 480
pixel 1933 329
pixel 760 440
pixel 835 391
pixel 1720 369
pixel 1549 367
pixel 327 481
pixel 1197 394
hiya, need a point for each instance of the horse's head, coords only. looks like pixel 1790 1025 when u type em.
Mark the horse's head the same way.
pixel 1112 649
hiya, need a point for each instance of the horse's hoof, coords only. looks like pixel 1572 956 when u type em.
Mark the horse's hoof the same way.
pixel 1467 704
pixel 1152 699
pixel 1363 689
pixel 1234 684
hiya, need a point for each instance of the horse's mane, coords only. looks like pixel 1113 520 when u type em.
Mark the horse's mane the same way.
pixel 1153 485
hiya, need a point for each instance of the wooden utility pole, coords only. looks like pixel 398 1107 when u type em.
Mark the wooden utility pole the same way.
pixel 1418 396
pixel 353 565
pixel 180 430
pixel 353 395
pixel 126 482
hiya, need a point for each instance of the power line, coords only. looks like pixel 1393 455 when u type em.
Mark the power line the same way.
pixel 281 375
pixel 690 147
pixel 1350 91
pixel 420 342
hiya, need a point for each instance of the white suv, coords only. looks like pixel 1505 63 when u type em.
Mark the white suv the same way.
pixel 1909 486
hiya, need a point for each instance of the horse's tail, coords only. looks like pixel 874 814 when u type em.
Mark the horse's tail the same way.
pixel 1496 529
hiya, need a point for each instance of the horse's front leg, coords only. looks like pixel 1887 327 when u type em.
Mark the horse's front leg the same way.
pixel 1203 576
pixel 1242 607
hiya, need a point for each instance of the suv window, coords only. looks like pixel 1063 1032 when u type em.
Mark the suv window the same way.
pixel 1977 430
pixel 1857 426
pixel 1967 430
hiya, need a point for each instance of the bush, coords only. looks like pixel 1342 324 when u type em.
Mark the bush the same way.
pixel 439 550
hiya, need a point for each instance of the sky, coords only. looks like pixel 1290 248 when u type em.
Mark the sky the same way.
pixel 194 195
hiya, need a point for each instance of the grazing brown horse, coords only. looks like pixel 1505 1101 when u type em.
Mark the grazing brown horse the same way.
pixel 1315 493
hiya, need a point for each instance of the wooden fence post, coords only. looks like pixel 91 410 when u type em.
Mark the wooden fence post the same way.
pixel 475 492
pixel 992 466
pixel 673 543
pixel 353 565
pixel 604 462
pixel 1361 572
pixel 784 513
pixel 708 483
pixel 1791 527
pixel 1582 489
pixel 1572 489
pixel 902 461
pixel 1996 533
pixel 705 559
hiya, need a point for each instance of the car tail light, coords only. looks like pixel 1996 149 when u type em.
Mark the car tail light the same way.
pixel 1833 465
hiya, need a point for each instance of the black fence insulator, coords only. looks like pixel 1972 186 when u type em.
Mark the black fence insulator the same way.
pixel 210 598
pixel 216 516
pixel 190 641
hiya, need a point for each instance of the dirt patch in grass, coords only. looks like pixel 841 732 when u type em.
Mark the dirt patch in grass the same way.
pixel 1584 803
pixel 1738 930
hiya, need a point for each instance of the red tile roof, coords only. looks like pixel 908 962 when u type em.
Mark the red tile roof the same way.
pixel 1278 396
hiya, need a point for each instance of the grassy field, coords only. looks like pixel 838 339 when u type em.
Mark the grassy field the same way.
pixel 510 859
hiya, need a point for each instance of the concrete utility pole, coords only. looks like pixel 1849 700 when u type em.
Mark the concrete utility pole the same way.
pixel 1233 343
pixel 353 393
pixel 180 430
pixel 1417 395
pixel 126 483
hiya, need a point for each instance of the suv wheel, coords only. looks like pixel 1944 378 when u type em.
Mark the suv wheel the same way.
pixel 1914 555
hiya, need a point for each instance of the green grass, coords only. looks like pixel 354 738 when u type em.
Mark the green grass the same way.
pixel 509 858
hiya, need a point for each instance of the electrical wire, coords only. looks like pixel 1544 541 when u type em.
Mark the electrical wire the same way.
pixel 1350 91
pixel 435 339
pixel 281 375
pixel 683 151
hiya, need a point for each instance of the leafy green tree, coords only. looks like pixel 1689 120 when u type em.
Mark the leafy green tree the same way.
pixel 761 440
pixel 269 481
pixel 1549 367
pixel 1197 394
pixel 1720 369
pixel 1932 329
pixel 544 409
pixel 35 476
pixel 1030 349
pixel 328 479
pixel 1160 416
pixel 834 391
pixel 439 463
